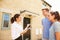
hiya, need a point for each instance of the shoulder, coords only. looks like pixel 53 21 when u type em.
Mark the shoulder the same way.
pixel 57 23
pixel 14 24
pixel 57 26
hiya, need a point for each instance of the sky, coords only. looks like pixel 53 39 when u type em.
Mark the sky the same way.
pixel 55 4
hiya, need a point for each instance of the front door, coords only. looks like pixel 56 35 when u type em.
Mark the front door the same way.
pixel 26 36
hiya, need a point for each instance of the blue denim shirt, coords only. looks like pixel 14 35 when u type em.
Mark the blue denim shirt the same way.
pixel 46 25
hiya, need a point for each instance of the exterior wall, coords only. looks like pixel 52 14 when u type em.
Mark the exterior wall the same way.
pixel 15 6
pixel 4 34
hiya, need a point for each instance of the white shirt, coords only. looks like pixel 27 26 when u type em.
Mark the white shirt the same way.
pixel 16 29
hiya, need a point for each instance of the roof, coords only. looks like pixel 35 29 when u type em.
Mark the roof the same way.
pixel 47 3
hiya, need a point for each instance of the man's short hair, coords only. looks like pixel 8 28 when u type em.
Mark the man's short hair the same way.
pixel 46 9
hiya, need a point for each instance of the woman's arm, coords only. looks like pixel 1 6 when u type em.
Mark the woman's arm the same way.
pixel 57 35
pixel 57 30
pixel 25 30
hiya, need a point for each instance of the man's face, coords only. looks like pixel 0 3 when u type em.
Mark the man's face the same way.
pixel 44 12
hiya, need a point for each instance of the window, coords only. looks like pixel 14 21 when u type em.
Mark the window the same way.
pixel 5 20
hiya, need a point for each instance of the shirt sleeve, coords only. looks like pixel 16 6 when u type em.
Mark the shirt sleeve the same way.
pixel 57 27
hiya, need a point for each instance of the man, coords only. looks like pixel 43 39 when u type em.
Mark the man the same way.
pixel 46 24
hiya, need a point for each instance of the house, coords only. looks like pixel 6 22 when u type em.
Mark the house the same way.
pixel 30 10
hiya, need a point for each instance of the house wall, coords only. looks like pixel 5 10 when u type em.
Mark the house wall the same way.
pixel 15 6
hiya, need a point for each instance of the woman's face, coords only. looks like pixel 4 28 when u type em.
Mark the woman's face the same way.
pixel 18 19
pixel 51 17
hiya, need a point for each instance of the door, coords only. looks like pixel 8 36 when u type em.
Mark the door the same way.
pixel 26 36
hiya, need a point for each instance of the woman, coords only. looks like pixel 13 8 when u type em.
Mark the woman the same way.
pixel 54 32
pixel 16 28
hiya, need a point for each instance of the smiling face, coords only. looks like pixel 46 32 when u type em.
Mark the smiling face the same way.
pixel 51 17
pixel 18 19
pixel 45 11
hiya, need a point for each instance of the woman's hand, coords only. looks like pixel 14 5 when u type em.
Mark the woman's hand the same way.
pixel 28 26
pixel 26 29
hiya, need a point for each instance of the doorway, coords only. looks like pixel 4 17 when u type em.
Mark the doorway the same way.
pixel 26 36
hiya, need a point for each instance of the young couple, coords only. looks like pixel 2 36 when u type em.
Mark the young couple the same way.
pixel 51 25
